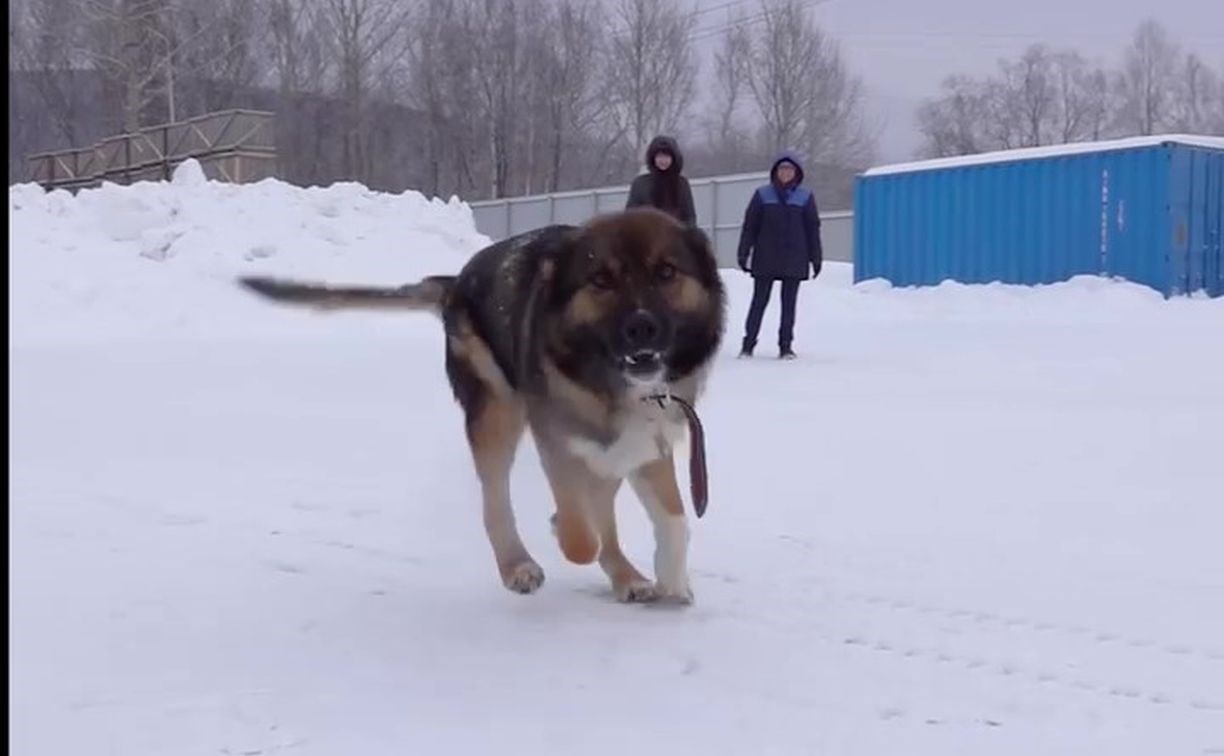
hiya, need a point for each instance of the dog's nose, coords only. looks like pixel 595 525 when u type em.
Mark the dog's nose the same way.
pixel 641 330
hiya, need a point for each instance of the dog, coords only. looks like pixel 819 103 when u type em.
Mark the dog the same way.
pixel 581 333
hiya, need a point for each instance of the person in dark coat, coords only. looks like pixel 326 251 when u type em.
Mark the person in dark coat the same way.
pixel 663 186
pixel 780 241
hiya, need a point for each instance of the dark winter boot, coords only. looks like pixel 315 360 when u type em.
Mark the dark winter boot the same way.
pixel 786 353
pixel 746 349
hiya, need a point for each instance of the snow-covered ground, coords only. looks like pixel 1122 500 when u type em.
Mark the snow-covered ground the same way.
pixel 968 520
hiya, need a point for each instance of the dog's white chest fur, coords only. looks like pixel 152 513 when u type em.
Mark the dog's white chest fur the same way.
pixel 646 435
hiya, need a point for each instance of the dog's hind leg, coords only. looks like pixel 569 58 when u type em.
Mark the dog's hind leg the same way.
pixel 495 419
pixel 494 431
pixel 628 584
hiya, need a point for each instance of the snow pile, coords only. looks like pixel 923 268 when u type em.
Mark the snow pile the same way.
pixel 159 258
pixel 132 261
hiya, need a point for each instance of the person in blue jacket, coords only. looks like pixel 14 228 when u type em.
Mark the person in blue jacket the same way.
pixel 780 241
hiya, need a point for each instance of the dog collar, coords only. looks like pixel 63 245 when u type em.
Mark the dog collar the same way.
pixel 698 474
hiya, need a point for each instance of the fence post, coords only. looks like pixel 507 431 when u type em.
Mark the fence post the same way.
pixel 166 152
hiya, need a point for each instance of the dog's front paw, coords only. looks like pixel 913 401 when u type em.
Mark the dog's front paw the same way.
pixel 679 592
pixel 524 577
pixel 636 591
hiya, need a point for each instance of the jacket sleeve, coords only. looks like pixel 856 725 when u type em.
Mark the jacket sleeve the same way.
pixel 748 232
pixel 687 210
pixel 639 192
pixel 811 221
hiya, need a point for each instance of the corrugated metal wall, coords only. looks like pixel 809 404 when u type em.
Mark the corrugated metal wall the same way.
pixel 1197 220
pixel 1150 214
pixel 720 202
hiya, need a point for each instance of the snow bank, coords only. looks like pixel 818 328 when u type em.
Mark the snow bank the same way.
pixel 133 261
pixel 157 260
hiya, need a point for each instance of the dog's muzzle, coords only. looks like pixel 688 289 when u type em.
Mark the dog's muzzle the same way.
pixel 643 364
pixel 641 335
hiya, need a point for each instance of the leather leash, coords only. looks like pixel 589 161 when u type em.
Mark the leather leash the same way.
pixel 699 481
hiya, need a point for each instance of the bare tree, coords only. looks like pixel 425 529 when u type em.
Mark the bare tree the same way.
pixel 144 47
pixel 1025 100
pixel 1148 79
pixel 17 32
pixel 803 90
pixel 571 58
pixel 1215 109
pixel 532 119
pixel 456 103
pixel 1199 89
pixel 953 123
pixel 726 136
pixel 51 36
pixel 782 61
pixel 221 59
pixel 292 41
pixel 428 62
pixel 494 30
pixel 358 32
pixel 1043 97
pixel 835 127
pixel 1082 92
pixel 651 69
pixel 129 42
pixel 294 62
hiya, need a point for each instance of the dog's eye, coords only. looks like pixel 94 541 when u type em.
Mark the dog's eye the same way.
pixel 602 279
pixel 665 272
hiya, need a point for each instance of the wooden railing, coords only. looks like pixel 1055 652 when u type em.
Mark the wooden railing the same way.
pixel 232 145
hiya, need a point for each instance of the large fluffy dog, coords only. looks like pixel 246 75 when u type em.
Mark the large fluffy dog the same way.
pixel 581 333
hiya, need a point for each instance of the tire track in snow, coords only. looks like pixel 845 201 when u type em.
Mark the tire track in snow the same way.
pixel 1020 624
pixel 1043 670
pixel 1019 671
pixel 1014 623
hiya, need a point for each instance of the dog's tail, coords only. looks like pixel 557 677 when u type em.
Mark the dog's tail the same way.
pixel 430 294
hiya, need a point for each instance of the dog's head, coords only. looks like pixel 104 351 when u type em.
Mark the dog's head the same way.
pixel 637 300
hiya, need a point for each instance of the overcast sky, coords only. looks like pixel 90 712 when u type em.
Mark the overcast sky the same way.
pixel 902 49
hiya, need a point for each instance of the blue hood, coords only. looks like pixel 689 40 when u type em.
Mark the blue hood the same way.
pixel 790 157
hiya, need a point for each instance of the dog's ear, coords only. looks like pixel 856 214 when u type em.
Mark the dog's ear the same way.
pixel 697 240
pixel 702 252
pixel 563 258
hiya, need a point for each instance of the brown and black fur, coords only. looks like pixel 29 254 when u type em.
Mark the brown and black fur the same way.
pixel 541 331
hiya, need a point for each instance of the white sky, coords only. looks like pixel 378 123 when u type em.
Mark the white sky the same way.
pixel 902 49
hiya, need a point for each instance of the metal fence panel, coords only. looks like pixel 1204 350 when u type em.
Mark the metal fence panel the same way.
pixel 529 213
pixel 573 208
pixel 720 202
pixel 610 200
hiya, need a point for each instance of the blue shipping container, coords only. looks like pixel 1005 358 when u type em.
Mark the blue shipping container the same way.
pixel 1150 210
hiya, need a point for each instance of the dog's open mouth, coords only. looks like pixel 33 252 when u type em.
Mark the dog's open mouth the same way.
pixel 642 364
